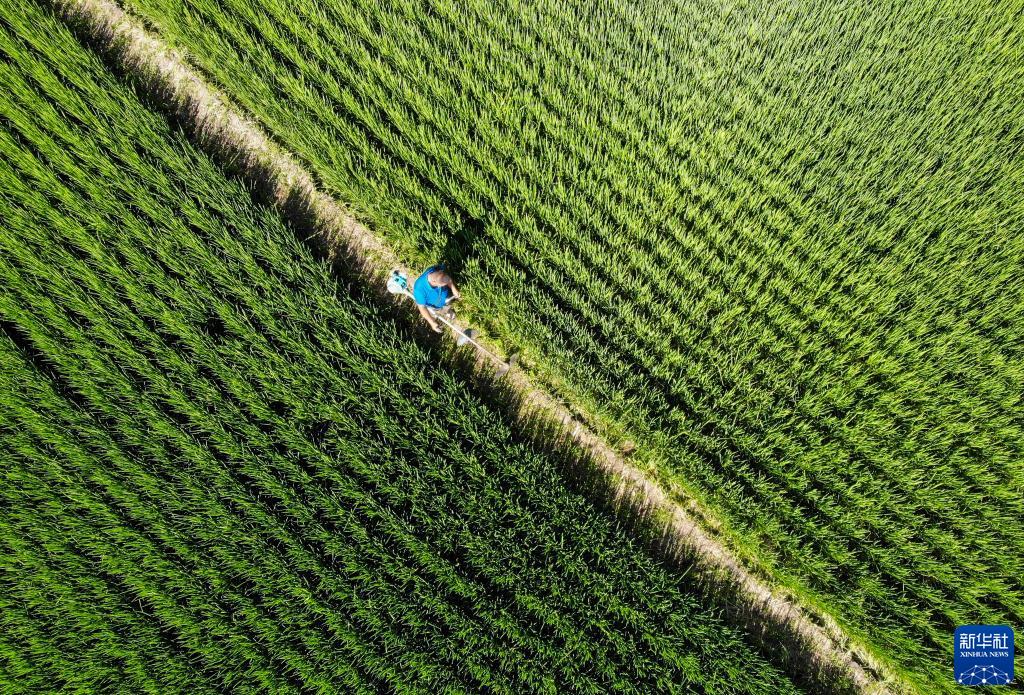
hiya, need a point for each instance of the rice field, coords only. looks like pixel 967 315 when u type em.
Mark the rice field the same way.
pixel 224 469
pixel 778 245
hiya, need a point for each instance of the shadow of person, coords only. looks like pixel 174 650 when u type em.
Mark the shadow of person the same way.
pixel 460 246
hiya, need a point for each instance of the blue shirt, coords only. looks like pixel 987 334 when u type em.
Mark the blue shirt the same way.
pixel 426 294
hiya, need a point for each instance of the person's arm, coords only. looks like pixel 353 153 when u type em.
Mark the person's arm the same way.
pixel 430 319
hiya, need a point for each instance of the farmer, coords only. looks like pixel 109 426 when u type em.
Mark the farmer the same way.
pixel 433 291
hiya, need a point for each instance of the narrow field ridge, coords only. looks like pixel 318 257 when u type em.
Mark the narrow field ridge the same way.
pixel 818 650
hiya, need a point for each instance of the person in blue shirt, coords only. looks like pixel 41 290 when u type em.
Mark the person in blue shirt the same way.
pixel 433 291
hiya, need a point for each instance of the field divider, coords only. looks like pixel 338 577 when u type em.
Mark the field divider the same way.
pixel 817 649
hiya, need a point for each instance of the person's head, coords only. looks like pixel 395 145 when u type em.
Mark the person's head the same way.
pixel 438 278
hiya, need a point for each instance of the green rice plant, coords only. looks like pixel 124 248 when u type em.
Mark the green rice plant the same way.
pixel 778 246
pixel 222 470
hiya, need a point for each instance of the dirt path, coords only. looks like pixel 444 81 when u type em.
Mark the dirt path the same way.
pixel 820 652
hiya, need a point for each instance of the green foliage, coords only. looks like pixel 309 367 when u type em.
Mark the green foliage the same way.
pixel 222 472
pixel 778 244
